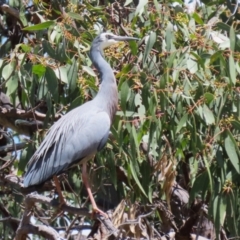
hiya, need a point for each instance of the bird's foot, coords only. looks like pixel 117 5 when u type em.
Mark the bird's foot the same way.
pixel 97 210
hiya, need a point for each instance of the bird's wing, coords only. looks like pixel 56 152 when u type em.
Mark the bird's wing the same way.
pixel 72 139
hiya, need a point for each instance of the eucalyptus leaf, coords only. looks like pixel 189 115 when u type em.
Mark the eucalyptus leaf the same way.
pixel 8 70
pixel 135 177
pixel 232 70
pixel 52 83
pixel 232 38
pixel 150 42
pixel 39 26
pixel 39 69
pixel 125 90
pixel 182 122
pixel 61 73
pixel 76 16
pixel 208 115
pixel 232 153
pixel 140 7
pixel 12 84
pixel 89 70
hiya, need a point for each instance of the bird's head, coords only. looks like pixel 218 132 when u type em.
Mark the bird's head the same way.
pixel 106 39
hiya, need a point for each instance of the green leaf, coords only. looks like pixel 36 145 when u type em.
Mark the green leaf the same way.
pixel 48 49
pixel 208 115
pixel 200 185
pixel 134 47
pixel 61 74
pixel 126 114
pixel 231 152
pixel 76 16
pixel 223 26
pixel 236 124
pixel 89 70
pixel 140 108
pixel 197 18
pixel 182 122
pixel 232 38
pixel 135 177
pixel 8 70
pixel 12 84
pixel 135 138
pixel 169 36
pixel 170 59
pixel 112 168
pixel 23 19
pixel 52 83
pixel 60 53
pixel 75 103
pixel 39 70
pixel 39 26
pixel 215 56
pixel 232 69
pixel 219 212
pixel 206 162
pixel 140 7
pixel 25 48
pixel 151 40
pixel 157 5
pixel 5 48
pixel 209 97
pixel 192 65
pixel 43 89
pixel 26 154
pixel 124 95
pixel 72 74
pixel 231 216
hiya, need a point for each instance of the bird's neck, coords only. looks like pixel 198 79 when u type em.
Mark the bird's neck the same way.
pixel 107 96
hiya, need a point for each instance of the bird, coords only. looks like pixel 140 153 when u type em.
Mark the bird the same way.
pixel 82 132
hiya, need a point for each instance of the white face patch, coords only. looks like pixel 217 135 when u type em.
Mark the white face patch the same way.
pixel 106 40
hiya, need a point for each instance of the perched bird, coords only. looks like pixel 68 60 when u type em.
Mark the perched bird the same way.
pixel 81 133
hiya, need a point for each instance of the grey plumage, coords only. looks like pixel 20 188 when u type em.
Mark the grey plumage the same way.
pixel 68 143
pixel 82 132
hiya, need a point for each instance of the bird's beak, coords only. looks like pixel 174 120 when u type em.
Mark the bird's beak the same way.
pixel 121 38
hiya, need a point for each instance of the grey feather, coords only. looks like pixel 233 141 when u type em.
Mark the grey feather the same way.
pixel 70 143
pixel 82 132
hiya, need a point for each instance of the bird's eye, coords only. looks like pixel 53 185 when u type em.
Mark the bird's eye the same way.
pixel 108 36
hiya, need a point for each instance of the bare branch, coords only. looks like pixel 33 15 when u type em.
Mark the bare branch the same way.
pixel 79 228
pixel 41 230
pixel 10 148
pixel 48 232
pixel 33 198
pixel 11 118
pixel 10 219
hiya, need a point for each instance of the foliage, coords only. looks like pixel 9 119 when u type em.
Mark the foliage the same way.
pixel 178 122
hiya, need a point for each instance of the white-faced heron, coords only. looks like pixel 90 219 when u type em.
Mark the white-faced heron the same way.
pixel 81 133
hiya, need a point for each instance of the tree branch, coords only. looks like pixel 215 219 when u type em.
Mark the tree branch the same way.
pixel 10 147
pixel 41 230
pixel 11 118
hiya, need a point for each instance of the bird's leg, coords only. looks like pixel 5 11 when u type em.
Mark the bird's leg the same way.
pixel 58 188
pixel 87 185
